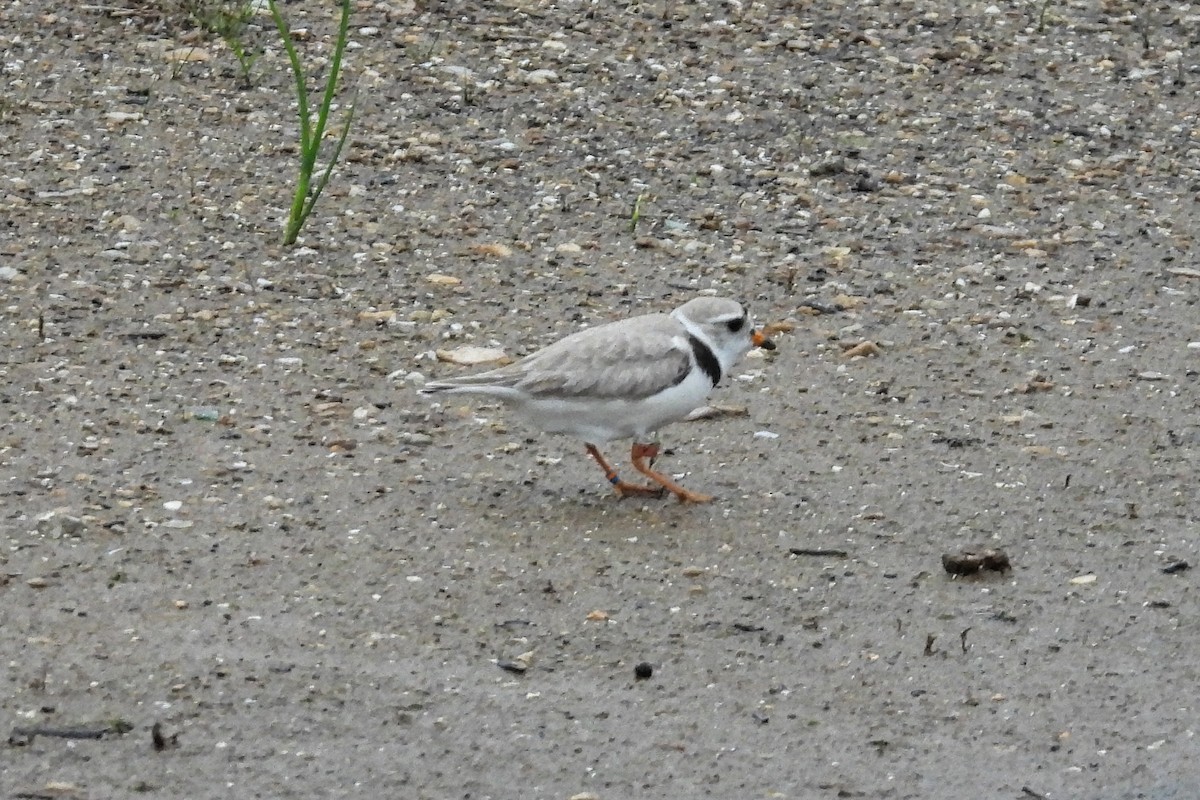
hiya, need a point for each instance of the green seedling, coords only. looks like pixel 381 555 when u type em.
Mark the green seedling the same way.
pixel 229 20
pixel 635 216
pixel 311 133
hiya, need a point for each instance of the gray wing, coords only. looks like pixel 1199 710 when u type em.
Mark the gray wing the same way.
pixel 632 359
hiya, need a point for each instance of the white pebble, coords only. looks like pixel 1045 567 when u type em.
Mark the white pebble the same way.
pixel 541 76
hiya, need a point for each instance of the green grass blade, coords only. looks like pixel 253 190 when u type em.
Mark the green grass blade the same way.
pixel 285 34
pixel 306 194
pixel 335 68
pixel 337 152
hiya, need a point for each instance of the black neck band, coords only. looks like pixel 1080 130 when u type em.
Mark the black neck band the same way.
pixel 705 358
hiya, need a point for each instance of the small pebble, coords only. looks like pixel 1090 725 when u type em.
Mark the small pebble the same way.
pixel 541 76
pixel 643 671
pixel 415 439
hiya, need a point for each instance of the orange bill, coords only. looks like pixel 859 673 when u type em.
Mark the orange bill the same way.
pixel 760 340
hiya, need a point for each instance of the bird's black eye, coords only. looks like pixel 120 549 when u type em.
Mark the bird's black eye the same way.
pixel 736 325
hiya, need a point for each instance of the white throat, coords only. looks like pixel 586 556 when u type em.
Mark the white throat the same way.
pixel 724 358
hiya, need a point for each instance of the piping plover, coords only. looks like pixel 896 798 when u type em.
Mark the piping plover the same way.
pixel 623 380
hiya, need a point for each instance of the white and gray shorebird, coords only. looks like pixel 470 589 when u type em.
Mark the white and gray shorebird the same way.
pixel 623 380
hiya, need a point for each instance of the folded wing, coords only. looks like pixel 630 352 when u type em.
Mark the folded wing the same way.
pixel 621 360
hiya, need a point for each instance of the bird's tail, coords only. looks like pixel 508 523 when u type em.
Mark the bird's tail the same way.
pixel 482 384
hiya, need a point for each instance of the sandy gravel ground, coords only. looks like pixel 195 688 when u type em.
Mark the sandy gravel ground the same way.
pixel 226 512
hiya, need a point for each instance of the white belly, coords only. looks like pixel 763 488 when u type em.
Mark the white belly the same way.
pixel 599 420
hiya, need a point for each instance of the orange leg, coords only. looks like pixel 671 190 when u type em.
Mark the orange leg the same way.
pixel 640 452
pixel 622 488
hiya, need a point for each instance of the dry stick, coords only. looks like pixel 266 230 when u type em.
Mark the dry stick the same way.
pixel 60 733
pixel 817 551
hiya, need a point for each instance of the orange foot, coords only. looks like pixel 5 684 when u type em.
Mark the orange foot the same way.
pixel 639 453
pixel 622 488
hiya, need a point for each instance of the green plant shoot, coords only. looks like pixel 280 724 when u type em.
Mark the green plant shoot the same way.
pixel 307 192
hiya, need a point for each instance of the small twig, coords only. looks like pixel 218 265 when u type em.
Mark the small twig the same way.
pixel 142 335
pixel 27 735
pixel 818 551
pixel 24 736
